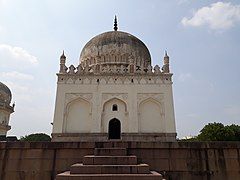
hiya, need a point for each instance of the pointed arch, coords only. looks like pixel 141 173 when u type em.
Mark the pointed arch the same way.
pixel 78 116
pixel 112 100
pixel 150 116
pixel 108 112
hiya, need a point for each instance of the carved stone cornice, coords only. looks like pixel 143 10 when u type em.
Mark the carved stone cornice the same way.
pixel 115 78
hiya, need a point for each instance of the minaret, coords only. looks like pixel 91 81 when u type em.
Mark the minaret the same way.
pixel 165 67
pixel 63 68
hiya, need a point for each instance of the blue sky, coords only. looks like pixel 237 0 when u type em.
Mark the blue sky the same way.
pixel 201 37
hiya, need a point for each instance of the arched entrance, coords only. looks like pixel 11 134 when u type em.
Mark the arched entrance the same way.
pixel 114 129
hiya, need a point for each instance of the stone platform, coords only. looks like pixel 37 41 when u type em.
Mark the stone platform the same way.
pixel 109 163
pixel 174 160
pixel 102 137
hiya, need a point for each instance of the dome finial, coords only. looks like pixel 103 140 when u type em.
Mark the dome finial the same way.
pixel 115 24
pixel 166 53
pixel 63 55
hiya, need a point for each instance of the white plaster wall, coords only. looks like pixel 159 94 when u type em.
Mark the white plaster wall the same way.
pixel 170 126
pixel 150 120
pixel 119 87
pixel 59 110
pixel 78 118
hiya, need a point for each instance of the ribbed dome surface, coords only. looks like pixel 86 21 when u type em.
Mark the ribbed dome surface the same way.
pixel 5 94
pixel 115 46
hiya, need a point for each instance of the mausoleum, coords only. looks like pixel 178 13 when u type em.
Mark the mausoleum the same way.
pixel 114 92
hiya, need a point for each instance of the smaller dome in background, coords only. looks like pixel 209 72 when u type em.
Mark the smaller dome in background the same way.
pixel 5 94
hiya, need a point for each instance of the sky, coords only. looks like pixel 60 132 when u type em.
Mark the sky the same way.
pixel 202 39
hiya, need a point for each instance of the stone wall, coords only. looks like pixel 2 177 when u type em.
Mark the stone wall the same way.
pixel 178 160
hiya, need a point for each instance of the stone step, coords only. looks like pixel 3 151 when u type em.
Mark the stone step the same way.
pixel 110 151
pixel 67 176
pixel 112 144
pixel 109 160
pixel 109 169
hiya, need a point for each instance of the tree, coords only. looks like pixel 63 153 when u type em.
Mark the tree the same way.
pixel 219 132
pixel 235 129
pixel 36 137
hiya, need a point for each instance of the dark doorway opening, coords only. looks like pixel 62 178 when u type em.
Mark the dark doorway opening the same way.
pixel 114 129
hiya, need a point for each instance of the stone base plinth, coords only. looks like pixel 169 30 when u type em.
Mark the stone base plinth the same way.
pixel 110 167
pixel 86 137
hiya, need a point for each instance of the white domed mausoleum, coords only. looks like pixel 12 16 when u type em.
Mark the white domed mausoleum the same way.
pixel 5 109
pixel 114 93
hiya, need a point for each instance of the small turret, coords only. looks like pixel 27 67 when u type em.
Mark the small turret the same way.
pixel 63 58
pixel 166 58
pixel 165 67
pixel 63 68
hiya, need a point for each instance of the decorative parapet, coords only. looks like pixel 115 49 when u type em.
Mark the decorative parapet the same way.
pixel 112 69
pixel 103 72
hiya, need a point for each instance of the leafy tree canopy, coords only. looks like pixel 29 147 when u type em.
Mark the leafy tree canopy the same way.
pixel 36 137
pixel 219 132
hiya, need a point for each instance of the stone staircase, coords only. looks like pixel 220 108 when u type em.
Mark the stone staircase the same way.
pixel 109 164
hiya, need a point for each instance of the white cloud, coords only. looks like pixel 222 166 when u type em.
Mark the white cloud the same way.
pixel 14 75
pixel 16 57
pixel 218 16
pixel 20 85
pixel 2 2
pixel 184 77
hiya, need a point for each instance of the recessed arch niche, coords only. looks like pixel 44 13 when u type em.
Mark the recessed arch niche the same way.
pixel 78 116
pixel 108 113
pixel 150 118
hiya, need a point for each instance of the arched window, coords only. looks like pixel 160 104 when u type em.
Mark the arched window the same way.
pixel 114 107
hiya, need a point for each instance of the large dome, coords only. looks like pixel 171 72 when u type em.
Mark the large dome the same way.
pixel 115 47
pixel 5 94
